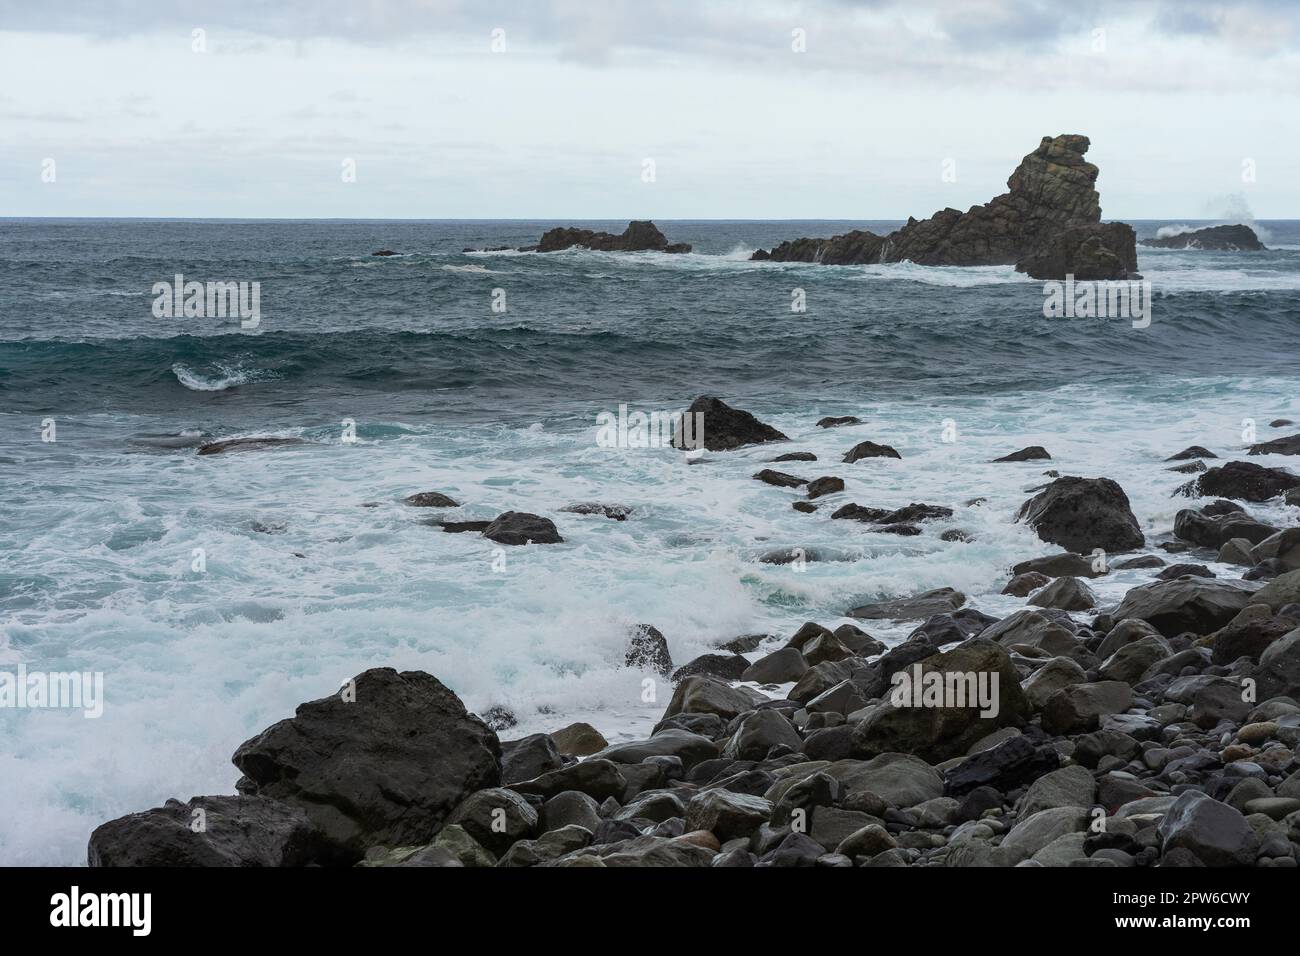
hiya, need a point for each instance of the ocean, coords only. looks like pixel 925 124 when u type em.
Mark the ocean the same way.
pixel 481 376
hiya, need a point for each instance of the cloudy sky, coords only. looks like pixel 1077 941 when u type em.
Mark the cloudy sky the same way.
pixel 843 109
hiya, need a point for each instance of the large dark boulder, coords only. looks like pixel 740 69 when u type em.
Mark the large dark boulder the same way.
pixel 639 236
pixel 852 248
pixel 1242 480
pixel 209 831
pixel 724 427
pixel 1089 252
pixel 1235 238
pixel 1080 514
pixel 1290 445
pixel 383 761
pixel 520 527
pixel 1190 604
pixel 1214 531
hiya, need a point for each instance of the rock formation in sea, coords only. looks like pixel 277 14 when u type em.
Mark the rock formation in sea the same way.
pixel 639 236
pixel 1236 238
pixel 1048 224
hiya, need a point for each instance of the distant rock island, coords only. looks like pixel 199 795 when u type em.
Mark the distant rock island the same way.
pixel 641 235
pixel 1048 225
pixel 1212 239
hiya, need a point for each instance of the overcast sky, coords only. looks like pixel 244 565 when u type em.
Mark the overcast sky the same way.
pixel 1191 106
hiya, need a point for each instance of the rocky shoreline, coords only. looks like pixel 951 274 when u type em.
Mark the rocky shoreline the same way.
pixel 1162 730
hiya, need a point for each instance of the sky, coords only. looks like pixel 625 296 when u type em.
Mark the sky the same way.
pixel 665 109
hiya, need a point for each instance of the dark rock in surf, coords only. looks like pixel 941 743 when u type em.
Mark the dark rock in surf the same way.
pixel 520 527
pixel 1243 480
pixel 430 499
pixel 1236 238
pixel 1278 446
pixel 779 478
pixel 613 512
pixel 827 485
pixel 723 427
pixel 384 761
pixel 639 236
pixel 648 650
pixel 869 449
pixel 1084 513
pixel 248 444
pixel 837 422
pixel 1032 453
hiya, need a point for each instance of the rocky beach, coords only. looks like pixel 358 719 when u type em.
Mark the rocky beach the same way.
pixel 1161 730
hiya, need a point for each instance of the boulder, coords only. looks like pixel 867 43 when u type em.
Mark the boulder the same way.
pixel 647 649
pixel 1065 594
pixel 1007 766
pixel 495 818
pixel 723 427
pixel 1290 445
pixel 1130 662
pixel 1022 585
pixel 923 605
pixel 384 761
pixel 1067 787
pixel 1078 707
pixel 597 778
pixel 1198 605
pixel 1061 565
pixel 758 733
pixel 237 831
pixel 578 740
pixel 869 449
pixel 1232 238
pixel 704 695
pixel 528 757
pixel 1084 513
pixel 828 485
pixel 1057 673
pixel 727 815
pixel 779 478
pixel 430 499
pixel 1217 834
pixel 786 664
pixel 688 747
pixel 722 666
pixel 1241 480
pixel 520 527
pixel 1032 453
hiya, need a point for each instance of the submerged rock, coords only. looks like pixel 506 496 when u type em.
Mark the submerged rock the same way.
pixel 249 444
pixel 520 527
pixel 430 499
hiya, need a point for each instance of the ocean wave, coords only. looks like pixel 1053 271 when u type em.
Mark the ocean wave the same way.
pixel 221 378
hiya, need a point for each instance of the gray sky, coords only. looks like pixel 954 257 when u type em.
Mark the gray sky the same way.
pixel 1179 98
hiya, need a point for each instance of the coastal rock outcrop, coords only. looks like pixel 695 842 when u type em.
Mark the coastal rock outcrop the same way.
pixel 723 427
pixel 1048 224
pixel 641 235
pixel 1080 514
pixel 1236 238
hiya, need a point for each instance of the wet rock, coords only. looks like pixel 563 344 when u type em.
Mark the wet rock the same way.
pixel 613 512
pixel 1079 707
pixel 648 650
pixel 1007 766
pixel 597 778
pixel 786 664
pixel 495 818
pixel 795 456
pixel 779 479
pixel 722 666
pixel 570 808
pixel 578 740
pixel 1241 480
pixel 520 527
pixel 725 427
pixel 639 236
pixel 1061 565
pixel 1233 238
pixel 1066 594
pixel 856 512
pixel 1067 787
pixel 836 422
pixel 1021 585
pixel 869 449
pixel 759 733
pixel 1214 530
pixel 550 846
pixel 1198 605
pixel 384 761
pixel 1214 832
pixel 1193 451
pixel 1181 570
pixel 238 831
pixel 727 815
pixel 923 605
pixel 1131 661
pixel 1032 453
pixel 529 757
pixel 1084 513
pixel 824 486
pixel 704 695
pixel 430 499
pixel 1057 673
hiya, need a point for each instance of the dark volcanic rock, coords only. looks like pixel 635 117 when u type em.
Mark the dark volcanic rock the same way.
pixel 1198 605
pixel 648 650
pixel 1243 480
pixel 923 605
pixel 614 512
pixel 827 485
pixel 430 499
pixel 1289 445
pixel 836 422
pixel 1216 530
pixel 1089 252
pixel 869 449
pixel 237 831
pixel 520 527
pixel 855 512
pixel 1192 451
pixel 851 248
pixel 460 527
pixel 724 666
pixel 1236 238
pixel 1080 514
pixel 779 478
pixel 384 761
pixel 639 236
pixel 1032 453
pixel 725 427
